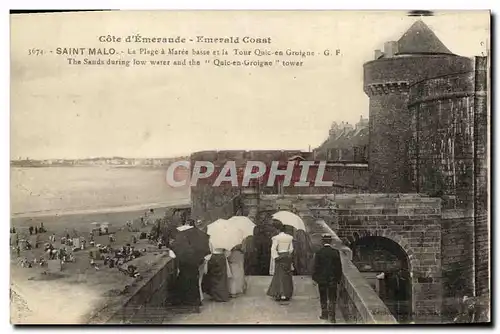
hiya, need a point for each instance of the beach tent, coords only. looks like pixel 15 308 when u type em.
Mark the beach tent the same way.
pixel 14 238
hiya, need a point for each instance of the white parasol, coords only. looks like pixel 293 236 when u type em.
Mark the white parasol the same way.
pixel 291 219
pixel 224 234
pixel 244 224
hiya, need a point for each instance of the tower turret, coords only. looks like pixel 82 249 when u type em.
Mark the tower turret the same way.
pixel 416 56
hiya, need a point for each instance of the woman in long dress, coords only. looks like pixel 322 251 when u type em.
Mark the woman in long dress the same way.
pixel 217 277
pixel 236 260
pixel 281 287
pixel 277 228
pixel 250 256
pixel 187 290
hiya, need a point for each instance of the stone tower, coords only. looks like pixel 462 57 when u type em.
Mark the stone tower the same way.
pixel 418 55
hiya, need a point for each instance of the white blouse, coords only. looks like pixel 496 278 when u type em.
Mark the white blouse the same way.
pixel 281 243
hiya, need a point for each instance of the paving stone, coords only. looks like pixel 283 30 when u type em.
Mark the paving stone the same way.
pixel 255 307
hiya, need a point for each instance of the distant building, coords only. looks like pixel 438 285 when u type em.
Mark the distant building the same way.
pixel 345 142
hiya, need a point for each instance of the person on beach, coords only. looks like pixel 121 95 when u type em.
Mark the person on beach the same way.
pixel 31 230
pixel 281 287
pixel 327 275
pixel 236 260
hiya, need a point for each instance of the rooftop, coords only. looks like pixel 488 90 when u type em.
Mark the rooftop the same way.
pixel 420 39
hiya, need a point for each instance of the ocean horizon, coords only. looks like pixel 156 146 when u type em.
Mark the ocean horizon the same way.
pixel 45 191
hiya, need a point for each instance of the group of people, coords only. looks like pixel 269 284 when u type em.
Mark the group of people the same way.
pixel 204 269
pixel 37 229
pixel 259 257
pixel 326 271
pixel 220 273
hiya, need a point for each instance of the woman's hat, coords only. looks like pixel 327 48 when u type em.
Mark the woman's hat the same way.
pixel 326 237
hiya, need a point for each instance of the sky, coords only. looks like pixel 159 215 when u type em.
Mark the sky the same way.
pixel 67 111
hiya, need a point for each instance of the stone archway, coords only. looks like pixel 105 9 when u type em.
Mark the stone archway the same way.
pixel 387 266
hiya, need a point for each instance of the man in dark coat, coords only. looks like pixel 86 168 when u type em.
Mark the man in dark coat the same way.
pixel 327 274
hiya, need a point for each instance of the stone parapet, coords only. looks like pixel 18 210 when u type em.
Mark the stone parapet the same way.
pixel 358 302
pixel 387 205
pixel 149 293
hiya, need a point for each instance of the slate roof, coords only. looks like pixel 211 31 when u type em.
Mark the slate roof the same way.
pixel 346 139
pixel 420 39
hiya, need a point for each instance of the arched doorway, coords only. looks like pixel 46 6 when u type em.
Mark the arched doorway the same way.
pixel 385 265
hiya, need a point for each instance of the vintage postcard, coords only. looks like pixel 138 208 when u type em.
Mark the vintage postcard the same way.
pixel 250 167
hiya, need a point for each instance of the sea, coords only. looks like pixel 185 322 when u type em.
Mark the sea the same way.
pixel 39 191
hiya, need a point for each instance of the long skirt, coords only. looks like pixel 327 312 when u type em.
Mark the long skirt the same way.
pixel 188 292
pixel 272 266
pixel 201 273
pixel 237 283
pixel 282 283
pixel 263 257
pixel 250 256
pixel 217 281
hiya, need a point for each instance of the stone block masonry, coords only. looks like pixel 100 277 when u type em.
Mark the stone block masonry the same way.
pixel 150 293
pixel 481 184
pixel 457 259
pixel 411 221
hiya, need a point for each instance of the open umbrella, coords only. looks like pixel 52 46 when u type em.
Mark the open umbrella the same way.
pixel 191 244
pixel 224 234
pixel 244 224
pixel 291 219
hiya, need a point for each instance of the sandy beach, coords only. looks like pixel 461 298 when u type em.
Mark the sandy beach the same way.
pixel 70 296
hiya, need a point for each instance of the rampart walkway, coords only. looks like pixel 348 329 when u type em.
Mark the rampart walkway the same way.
pixel 357 301
pixel 256 308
